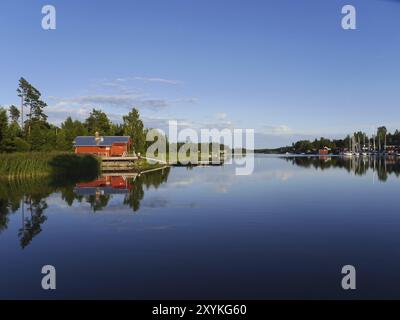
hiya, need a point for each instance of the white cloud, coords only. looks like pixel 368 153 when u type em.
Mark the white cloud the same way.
pixel 125 101
pixel 159 80
pixel 60 111
pixel 119 81
pixel 119 93
pixel 276 130
pixel 221 116
pixel 80 107
pixel 99 99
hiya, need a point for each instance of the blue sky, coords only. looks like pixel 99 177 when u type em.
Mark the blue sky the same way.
pixel 285 68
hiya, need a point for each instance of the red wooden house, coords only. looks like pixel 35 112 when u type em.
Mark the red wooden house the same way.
pixel 107 146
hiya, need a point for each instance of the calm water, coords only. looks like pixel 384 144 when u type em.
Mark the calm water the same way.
pixel 283 232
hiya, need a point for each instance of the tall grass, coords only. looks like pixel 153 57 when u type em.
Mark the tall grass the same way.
pixel 34 164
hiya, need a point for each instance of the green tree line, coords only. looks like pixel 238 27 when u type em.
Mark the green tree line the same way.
pixel 25 128
pixel 360 138
pixel 392 139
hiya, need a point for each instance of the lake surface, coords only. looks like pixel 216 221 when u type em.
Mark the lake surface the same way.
pixel 283 232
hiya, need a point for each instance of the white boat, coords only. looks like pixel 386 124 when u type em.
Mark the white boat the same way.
pixel 348 153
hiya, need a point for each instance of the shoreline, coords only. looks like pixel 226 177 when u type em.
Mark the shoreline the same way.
pixel 60 164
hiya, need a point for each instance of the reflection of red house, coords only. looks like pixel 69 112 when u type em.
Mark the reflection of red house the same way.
pixel 109 184
pixel 115 182
pixel 103 146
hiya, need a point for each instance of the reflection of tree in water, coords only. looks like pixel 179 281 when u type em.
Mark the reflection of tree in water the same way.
pixel 99 192
pixel 383 167
pixel 147 180
pixel 4 212
pixel 29 197
pixel 98 201
pixel 135 195
pixel 35 207
pixel 69 196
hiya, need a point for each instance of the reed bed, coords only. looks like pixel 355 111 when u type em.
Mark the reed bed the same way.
pixel 36 164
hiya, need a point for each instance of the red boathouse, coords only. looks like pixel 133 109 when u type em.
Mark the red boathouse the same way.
pixel 324 151
pixel 107 146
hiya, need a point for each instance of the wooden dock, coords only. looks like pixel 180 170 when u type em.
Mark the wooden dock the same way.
pixel 118 163
pixel 128 163
pixel 119 158
pixel 210 162
pixel 200 163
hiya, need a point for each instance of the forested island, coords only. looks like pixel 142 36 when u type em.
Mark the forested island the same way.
pixel 381 140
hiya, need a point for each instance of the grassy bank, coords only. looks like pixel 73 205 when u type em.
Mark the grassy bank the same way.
pixel 144 165
pixel 35 164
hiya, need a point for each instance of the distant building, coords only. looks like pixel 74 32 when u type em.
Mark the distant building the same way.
pixel 324 151
pixel 107 146
pixel 391 149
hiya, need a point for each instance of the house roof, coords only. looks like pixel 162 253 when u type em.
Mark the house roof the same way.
pixel 88 141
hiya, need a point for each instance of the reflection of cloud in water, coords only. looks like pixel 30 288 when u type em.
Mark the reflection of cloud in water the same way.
pixel 55 200
pixel 222 179
pixel 155 202
pixel 181 183
pixel 282 175
pixel 158 202
pixel 155 228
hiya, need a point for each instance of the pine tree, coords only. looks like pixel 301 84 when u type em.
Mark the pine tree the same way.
pixel 31 101
pixel 133 127
pixel 23 93
pixel 69 131
pixel 3 128
pixel 14 113
pixel 98 122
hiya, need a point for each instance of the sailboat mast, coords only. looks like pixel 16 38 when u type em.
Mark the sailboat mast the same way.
pixel 364 142
pixel 369 144
pixel 385 143
pixel 349 143
pixel 379 143
pixel 374 144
